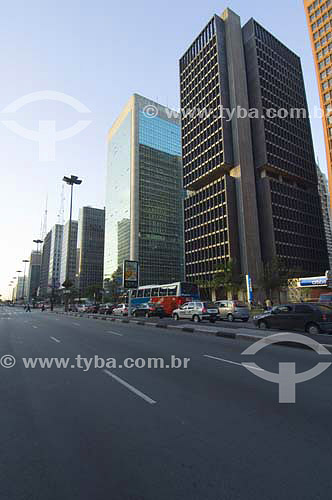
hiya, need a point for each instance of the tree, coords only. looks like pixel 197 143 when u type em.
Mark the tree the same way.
pixel 94 292
pixel 113 285
pixel 228 277
pixel 276 276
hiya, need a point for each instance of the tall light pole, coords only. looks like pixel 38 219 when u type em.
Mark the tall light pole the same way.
pixel 25 263
pixel 38 242
pixel 73 179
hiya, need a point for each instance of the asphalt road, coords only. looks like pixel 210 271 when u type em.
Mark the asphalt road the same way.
pixel 210 431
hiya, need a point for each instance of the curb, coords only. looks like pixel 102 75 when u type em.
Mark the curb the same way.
pixel 219 333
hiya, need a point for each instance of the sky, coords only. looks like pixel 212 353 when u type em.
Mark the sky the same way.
pixel 82 61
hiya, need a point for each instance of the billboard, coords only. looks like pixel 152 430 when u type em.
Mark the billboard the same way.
pixel 130 274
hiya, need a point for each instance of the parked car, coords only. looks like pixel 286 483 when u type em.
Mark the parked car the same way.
pixel 106 309
pixel 310 318
pixel 326 299
pixel 232 310
pixel 197 311
pixel 121 310
pixel 148 309
pixel 93 309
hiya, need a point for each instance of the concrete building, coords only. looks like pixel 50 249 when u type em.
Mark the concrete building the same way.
pixel 319 20
pixel 251 183
pixel 324 195
pixel 291 223
pixel 19 291
pixel 34 275
pixel 90 248
pixel 69 255
pixel 123 241
pixel 55 256
pixel 144 185
pixel 45 265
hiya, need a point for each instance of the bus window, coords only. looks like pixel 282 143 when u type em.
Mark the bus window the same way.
pixel 163 291
pixel 172 291
pixel 189 289
pixel 140 293
pixel 147 292
pixel 155 292
pixel 133 293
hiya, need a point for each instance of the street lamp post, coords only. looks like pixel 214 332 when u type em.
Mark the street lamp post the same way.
pixel 25 263
pixel 73 179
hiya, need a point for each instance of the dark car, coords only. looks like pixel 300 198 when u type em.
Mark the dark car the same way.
pixel 106 309
pixel 93 309
pixel 148 309
pixel 310 318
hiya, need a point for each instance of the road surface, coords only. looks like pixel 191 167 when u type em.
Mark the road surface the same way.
pixel 212 430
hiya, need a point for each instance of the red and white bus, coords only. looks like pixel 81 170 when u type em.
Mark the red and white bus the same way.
pixel 170 296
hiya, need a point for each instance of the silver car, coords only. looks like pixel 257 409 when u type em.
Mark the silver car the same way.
pixel 232 310
pixel 197 311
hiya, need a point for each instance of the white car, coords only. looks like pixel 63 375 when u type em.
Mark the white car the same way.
pixel 121 310
pixel 197 311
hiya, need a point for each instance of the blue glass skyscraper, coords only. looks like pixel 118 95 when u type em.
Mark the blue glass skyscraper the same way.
pixel 144 188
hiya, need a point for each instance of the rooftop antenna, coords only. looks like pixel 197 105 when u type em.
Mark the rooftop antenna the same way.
pixel 44 222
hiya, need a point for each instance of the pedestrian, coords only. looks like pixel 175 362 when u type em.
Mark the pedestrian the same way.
pixel 28 309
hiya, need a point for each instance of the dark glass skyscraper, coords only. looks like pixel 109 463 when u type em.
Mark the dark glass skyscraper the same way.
pixel 251 183
pixel 90 251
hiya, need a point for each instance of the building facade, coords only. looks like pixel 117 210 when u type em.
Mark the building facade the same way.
pixel 55 256
pixel 250 185
pixel 324 195
pixel 319 20
pixel 19 289
pixel 45 265
pixel 34 275
pixel 123 241
pixel 144 187
pixel 290 217
pixel 90 251
pixel 69 254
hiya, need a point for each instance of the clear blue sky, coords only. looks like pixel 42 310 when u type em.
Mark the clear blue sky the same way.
pixel 100 52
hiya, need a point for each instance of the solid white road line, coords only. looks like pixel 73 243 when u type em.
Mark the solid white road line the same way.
pixel 115 333
pixel 232 362
pixel 55 340
pixel 131 388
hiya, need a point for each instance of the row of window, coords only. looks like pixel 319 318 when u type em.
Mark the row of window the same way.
pixel 315 4
pixel 321 20
pixel 200 42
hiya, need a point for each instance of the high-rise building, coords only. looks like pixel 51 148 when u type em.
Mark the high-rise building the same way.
pixel 69 254
pixel 34 275
pixel 291 223
pixel 90 248
pixel 45 265
pixel 19 292
pixel 123 241
pixel 55 256
pixel 144 185
pixel 324 195
pixel 251 183
pixel 319 20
